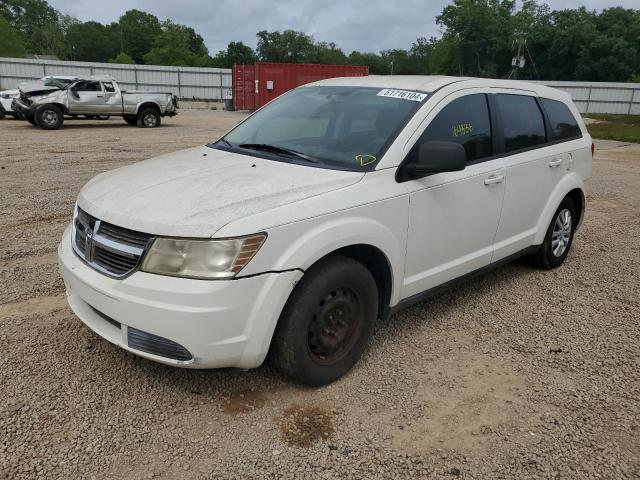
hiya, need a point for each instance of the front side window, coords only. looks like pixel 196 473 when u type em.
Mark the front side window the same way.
pixel 108 86
pixel 563 124
pixel 465 121
pixel 522 122
pixel 342 127
pixel 87 86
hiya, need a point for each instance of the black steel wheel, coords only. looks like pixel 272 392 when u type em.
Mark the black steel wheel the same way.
pixel 327 322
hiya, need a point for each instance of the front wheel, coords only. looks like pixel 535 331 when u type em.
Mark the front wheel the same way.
pixel 49 117
pixel 149 118
pixel 327 322
pixel 559 237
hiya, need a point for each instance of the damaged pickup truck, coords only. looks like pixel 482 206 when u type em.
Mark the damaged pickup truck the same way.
pixel 46 104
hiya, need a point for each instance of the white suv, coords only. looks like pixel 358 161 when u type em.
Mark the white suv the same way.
pixel 329 208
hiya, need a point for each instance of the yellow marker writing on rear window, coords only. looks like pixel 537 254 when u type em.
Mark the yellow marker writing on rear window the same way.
pixel 365 159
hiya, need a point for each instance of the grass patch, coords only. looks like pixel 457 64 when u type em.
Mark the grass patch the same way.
pixel 624 128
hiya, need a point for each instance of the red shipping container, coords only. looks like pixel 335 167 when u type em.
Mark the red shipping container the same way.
pixel 256 85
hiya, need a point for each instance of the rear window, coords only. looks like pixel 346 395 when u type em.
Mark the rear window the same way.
pixel 522 122
pixel 563 124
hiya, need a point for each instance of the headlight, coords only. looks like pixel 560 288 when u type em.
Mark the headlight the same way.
pixel 201 258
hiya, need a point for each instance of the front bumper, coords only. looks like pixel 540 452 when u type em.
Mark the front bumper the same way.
pixel 21 108
pixel 221 323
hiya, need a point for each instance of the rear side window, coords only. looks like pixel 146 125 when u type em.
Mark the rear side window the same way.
pixel 522 122
pixel 465 121
pixel 563 124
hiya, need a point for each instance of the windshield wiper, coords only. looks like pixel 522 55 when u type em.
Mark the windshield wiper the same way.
pixel 278 150
pixel 225 141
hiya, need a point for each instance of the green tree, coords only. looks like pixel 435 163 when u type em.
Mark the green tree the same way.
pixel 41 25
pixel 138 31
pixel 236 52
pixel 122 58
pixel 91 42
pixel 289 46
pixel 179 46
pixel 327 53
pixel 375 62
pixel 480 32
pixel 11 42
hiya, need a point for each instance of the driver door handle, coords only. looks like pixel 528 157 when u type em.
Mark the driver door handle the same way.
pixel 494 179
pixel 555 162
pixel 99 96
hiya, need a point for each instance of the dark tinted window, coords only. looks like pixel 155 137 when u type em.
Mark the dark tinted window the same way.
pixel 464 121
pixel 522 122
pixel 563 123
pixel 87 86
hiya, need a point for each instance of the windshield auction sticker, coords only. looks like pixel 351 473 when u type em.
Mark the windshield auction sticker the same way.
pixel 402 94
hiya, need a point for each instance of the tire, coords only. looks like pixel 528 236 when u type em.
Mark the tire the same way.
pixel 49 117
pixel 103 117
pixel 326 324
pixel 130 119
pixel 32 120
pixel 149 118
pixel 89 117
pixel 2 114
pixel 559 237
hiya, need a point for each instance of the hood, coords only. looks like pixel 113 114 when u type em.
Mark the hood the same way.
pixel 195 192
pixel 10 92
pixel 31 89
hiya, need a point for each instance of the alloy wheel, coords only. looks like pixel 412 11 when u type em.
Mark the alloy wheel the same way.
pixel 561 232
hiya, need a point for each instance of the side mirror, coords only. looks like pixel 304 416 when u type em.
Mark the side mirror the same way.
pixel 75 94
pixel 437 157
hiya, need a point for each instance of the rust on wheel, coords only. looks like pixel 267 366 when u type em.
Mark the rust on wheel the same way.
pixel 336 324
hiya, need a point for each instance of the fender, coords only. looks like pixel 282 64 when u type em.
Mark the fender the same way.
pixel 148 103
pixel 568 183
pixel 310 240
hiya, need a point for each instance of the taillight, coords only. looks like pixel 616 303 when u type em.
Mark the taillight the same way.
pixel 593 149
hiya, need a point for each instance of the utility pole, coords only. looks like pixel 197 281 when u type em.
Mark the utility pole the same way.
pixel 517 62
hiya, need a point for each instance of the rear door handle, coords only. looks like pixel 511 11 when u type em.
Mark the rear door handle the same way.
pixel 493 179
pixel 555 162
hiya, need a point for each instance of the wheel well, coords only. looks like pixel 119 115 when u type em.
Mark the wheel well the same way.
pixel 377 263
pixel 62 108
pixel 577 195
pixel 148 105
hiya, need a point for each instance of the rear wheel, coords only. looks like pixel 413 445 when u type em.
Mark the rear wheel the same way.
pixel 559 237
pixel 327 322
pixel 148 118
pixel 49 117
pixel 130 119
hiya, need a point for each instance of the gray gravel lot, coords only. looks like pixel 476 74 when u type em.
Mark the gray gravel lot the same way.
pixel 519 374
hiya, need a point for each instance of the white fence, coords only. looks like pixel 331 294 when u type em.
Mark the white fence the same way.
pixel 185 82
pixel 602 97
pixel 215 83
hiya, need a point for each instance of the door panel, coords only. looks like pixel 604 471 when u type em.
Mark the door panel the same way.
pixel 452 223
pixel 87 97
pixel 531 175
pixel 112 99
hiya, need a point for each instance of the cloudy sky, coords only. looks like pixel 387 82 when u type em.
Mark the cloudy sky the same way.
pixel 365 25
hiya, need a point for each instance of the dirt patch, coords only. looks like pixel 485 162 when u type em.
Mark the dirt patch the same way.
pixel 243 402
pixel 466 400
pixel 303 426
pixel 33 306
pixel 32 221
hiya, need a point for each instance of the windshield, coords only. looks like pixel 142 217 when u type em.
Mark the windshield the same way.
pixel 56 82
pixel 343 127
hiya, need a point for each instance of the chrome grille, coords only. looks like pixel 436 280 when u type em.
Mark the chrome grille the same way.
pixel 112 250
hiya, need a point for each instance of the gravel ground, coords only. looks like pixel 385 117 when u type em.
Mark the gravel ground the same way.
pixel 519 374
